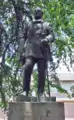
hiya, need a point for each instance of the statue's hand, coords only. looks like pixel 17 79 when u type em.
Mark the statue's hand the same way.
pixel 44 41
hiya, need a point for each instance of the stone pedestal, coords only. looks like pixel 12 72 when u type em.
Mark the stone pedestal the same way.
pixel 22 98
pixel 36 111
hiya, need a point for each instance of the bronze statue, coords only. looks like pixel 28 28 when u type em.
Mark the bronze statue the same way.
pixel 38 34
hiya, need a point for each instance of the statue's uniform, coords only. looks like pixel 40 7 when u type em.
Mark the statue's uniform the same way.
pixel 36 35
pixel 37 31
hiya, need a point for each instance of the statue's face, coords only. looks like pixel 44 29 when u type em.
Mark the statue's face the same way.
pixel 38 13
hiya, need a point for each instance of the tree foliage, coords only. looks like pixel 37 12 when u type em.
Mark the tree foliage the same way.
pixel 13 16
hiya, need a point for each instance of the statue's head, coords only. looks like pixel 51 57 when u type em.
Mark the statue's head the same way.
pixel 38 13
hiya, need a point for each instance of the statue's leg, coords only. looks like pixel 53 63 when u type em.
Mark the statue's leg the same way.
pixel 28 67
pixel 41 75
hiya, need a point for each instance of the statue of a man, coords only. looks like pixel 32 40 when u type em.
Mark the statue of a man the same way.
pixel 37 36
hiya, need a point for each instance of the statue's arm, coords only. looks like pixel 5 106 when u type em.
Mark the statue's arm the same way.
pixel 25 32
pixel 50 34
pixel 24 38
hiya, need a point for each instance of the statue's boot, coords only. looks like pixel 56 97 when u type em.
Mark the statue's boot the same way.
pixel 42 97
